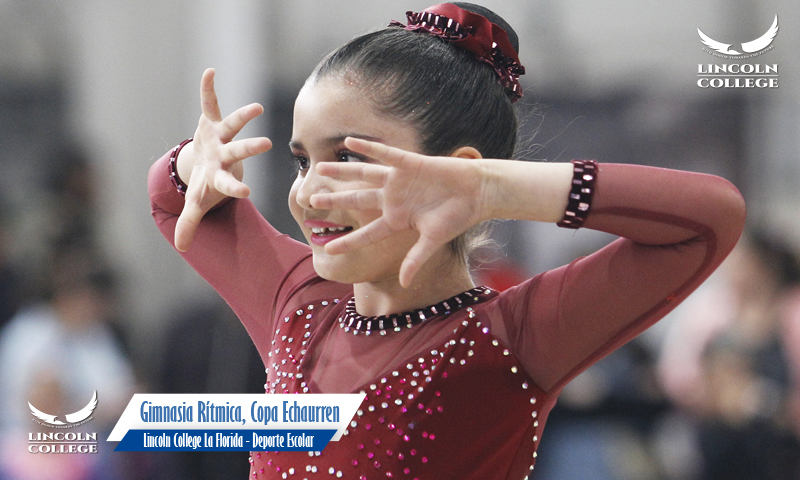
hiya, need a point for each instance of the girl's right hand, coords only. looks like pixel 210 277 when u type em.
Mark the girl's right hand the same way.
pixel 211 165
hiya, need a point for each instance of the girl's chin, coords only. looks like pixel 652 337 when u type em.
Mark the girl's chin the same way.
pixel 345 270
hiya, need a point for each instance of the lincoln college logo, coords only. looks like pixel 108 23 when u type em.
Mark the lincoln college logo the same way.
pixel 738 75
pixel 63 441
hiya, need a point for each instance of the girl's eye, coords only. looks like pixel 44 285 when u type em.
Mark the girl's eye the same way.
pixel 300 162
pixel 348 156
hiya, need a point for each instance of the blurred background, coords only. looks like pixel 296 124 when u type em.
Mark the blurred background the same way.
pixel 91 297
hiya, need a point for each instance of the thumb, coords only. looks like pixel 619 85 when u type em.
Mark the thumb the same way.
pixel 192 213
pixel 416 257
pixel 186 226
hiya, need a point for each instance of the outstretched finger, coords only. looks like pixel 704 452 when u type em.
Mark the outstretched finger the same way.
pixel 371 233
pixel 369 199
pixel 233 123
pixel 416 258
pixel 240 149
pixel 391 156
pixel 208 96
pixel 226 184
pixel 359 172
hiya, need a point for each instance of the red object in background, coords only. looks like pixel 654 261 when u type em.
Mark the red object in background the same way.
pixel 500 275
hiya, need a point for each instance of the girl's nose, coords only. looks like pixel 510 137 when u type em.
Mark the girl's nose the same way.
pixel 311 184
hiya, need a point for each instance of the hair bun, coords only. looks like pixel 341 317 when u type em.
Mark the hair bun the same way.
pixel 476 33
pixel 492 17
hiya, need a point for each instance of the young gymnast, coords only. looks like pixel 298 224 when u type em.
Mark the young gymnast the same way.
pixel 402 140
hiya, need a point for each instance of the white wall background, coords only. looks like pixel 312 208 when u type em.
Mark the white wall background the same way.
pixel 133 71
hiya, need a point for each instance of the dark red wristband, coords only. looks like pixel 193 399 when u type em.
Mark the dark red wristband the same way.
pixel 173 167
pixel 584 176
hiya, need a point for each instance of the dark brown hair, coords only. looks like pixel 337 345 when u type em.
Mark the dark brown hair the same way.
pixel 446 93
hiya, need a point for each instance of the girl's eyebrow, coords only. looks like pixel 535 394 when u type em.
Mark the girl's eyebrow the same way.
pixel 335 140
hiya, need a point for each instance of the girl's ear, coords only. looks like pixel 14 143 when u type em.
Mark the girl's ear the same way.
pixel 469 153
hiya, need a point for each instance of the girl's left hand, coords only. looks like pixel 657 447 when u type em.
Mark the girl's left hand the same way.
pixel 440 197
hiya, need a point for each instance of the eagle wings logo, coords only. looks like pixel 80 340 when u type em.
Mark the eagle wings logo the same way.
pixel 76 417
pixel 753 46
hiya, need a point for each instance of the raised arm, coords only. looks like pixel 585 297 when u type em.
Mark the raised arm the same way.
pixel 253 266
pixel 676 228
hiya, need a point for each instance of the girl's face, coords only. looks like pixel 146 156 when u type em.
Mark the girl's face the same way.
pixel 325 113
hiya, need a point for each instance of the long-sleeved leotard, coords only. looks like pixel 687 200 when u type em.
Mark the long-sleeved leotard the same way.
pixel 482 380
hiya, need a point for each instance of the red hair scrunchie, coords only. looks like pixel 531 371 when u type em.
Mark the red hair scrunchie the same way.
pixel 474 33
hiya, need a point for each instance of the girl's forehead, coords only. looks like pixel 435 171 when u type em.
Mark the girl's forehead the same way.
pixel 330 94
pixel 331 108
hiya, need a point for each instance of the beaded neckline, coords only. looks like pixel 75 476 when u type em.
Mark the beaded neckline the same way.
pixel 382 324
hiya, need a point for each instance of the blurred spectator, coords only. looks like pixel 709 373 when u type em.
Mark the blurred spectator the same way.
pixel 726 364
pixel 55 354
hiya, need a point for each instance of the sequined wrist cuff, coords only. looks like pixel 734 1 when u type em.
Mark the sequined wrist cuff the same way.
pixel 584 177
pixel 173 167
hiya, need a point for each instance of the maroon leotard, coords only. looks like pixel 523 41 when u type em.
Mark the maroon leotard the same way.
pixel 465 395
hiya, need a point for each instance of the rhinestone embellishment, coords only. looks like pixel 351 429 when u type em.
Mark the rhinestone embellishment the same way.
pixel 352 321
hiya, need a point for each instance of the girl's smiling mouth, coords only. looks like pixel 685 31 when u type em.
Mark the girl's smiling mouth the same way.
pixel 323 232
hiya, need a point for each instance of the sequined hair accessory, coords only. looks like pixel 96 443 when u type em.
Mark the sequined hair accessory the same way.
pixel 474 33
pixel 584 177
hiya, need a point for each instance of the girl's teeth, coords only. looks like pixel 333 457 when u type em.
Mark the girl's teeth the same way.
pixel 324 230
